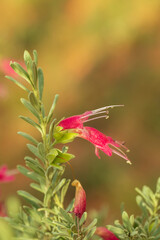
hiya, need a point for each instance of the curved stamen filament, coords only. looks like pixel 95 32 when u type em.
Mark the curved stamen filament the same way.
pixel 103 116
pixel 121 155
pixel 123 146
pixel 91 114
pixel 106 107
pixel 119 150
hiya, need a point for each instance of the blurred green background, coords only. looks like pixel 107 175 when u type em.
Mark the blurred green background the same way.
pixel 93 53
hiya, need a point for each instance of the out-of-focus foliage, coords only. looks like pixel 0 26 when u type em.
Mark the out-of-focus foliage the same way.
pixel 145 226
pixel 93 53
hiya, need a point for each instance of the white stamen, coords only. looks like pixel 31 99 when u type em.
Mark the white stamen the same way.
pixel 121 155
pixel 103 116
pixel 119 150
pixel 91 114
pixel 122 145
pixel 106 107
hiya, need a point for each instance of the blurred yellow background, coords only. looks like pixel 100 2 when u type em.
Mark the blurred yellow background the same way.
pixel 93 53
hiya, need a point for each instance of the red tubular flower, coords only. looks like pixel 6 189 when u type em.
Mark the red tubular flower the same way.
pixel 105 234
pixel 76 122
pixel 5 175
pixel 80 199
pixel 98 139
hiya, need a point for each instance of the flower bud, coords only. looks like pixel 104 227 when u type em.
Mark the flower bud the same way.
pixel 80 199
pixel 105 234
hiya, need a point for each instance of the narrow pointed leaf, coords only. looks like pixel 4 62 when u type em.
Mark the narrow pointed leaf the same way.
pixel 20 71
pixel 33 100
pixel 27 57
pixel 91 225
pixel 83 219
pixel 41 149
pixel 35 167
pixel 34 69
pixel 66 215
pixel 35 55
pixel 52 108
pixel 35 151
pixel 64 190
pixel 51 127
pixel 30 121
pixel 58 187
pixel 30 198
pixel 18 84
pixel 28 173
pixel 29 106
pixel 36 187
pixel 30 138
pixel 40 82
pixel 90 233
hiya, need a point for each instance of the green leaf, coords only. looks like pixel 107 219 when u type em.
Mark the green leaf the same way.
pixel 33 213
pixel 27 58
pixel 126 221
pixel 91 225
pixel 52 155
pixel 35 55
pixel 33 100
pixel 63 136
pixel 37 187
pixel 35 151
pixel 83 219
pixel 52 108
pixel 30 138
pixel 40 82
pixel 66 215
pixel 34 165
pixel 42 110
pixel 63 157
pixel 30 121
pixel 29 106
pixel 41 149
pixel 30 198
pixel 26 172
pixel 70 206
pixel 29 65
pixel 64 190
pixel 34 69
pixel 116 230
pixel 58 186
pixel 20 71
pixel 18 83
pixel 51 127
pixel 90 233
pixel 54 223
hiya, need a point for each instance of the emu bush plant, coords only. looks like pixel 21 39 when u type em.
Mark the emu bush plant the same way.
pixel 46 217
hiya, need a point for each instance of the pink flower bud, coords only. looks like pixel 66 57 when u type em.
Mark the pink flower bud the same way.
pixel 105 234
pixel 80 199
